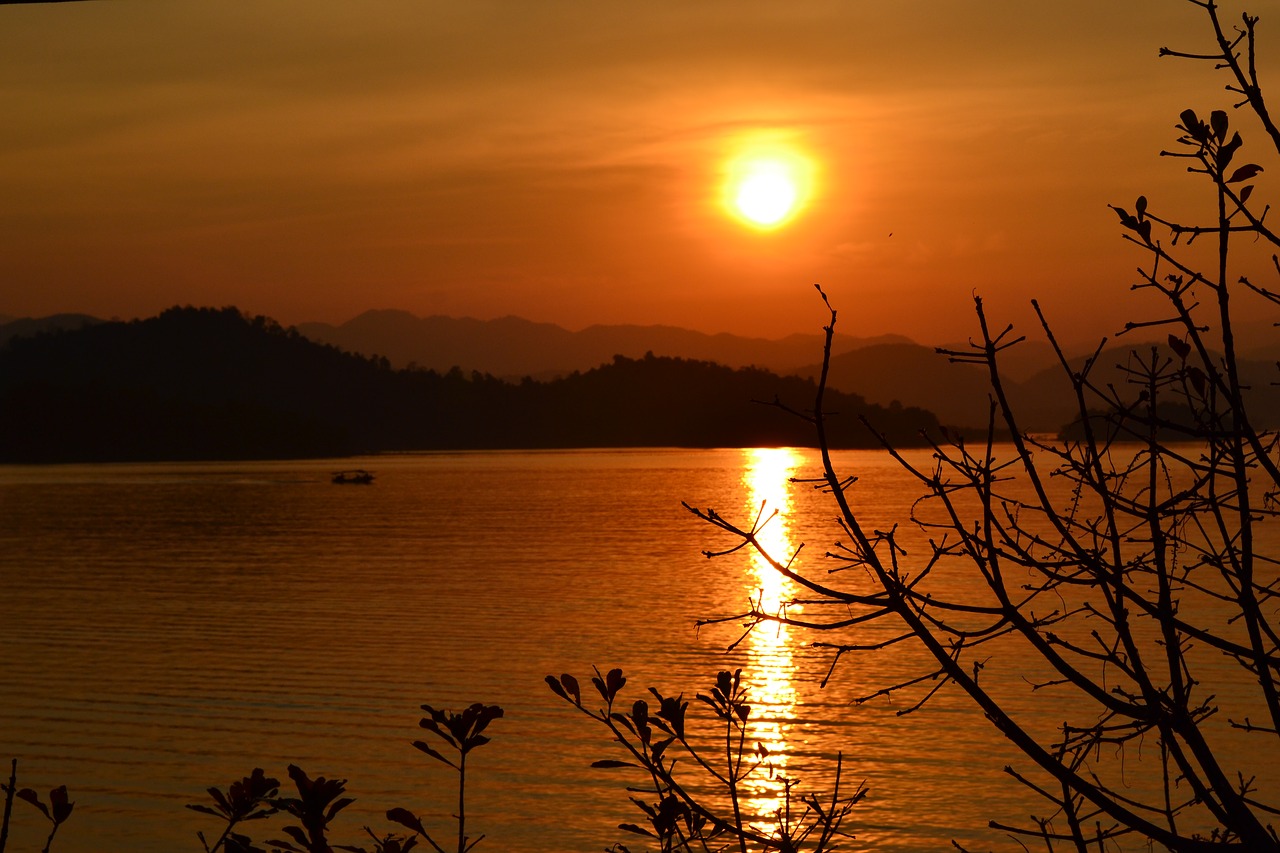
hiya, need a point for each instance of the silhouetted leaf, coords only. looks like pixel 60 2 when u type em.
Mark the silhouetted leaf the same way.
pixel 236 843
pixel 1140 206
pixel 1228 151
pixel 432 726
pixel 437 756
pixel 1144 231
pixel 571 685
pixel 1192 125
pixel 554 684
pixel 296 834
pixel 205 810
pixel 640 714
pixel 1218 121
pixel 220 799
pixel 479 717
pixel 277 845
pixel 610 763
pixel 1245 193
pixel 407 819
pixel 338 806
pixel 713 703
pixel 1179 346
pixel 1126 219
pixel 1244 173
pixel 441 723
pixel 643 806
pixel 623 720
pixel 631 827
pixel 615 681
pixel 673 711
pixel 32 797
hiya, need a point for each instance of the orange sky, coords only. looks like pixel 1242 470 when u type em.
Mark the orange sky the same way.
pixel 560 160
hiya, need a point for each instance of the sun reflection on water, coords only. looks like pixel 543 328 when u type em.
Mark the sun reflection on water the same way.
pixel 767 477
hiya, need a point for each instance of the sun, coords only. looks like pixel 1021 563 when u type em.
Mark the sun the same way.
pixel 766 195
pixel 766 187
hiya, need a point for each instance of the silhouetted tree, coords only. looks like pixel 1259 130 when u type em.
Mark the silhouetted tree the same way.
pixel 1127 571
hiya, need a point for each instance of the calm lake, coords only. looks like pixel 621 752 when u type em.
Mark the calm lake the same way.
pixel 168 627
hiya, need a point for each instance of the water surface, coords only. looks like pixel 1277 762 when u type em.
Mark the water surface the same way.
pixel 167 627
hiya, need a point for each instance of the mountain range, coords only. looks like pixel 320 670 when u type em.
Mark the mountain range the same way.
pixel 205 383
pixel 885 370
pixel 511 347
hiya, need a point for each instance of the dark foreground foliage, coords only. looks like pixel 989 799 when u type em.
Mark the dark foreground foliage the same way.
pixel 694 791
pixel 308 814
pixel 672 750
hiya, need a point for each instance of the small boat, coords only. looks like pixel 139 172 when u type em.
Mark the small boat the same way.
pixel 358 477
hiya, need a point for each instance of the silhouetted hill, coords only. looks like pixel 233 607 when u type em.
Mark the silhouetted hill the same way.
pixel 1043 401
pixel 911 374
pixel 677 402
pixel 1049 391
pixel 959 394
pixel 1020 362
pixel 202 383
pixel 514 347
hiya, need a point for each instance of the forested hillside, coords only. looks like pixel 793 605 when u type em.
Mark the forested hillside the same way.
pixel 202 383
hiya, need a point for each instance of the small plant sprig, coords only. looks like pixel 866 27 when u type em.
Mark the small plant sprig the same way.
pixel 57 812
pixel 681 821
pixel 319 800
pixel 462 732
pixel 246 799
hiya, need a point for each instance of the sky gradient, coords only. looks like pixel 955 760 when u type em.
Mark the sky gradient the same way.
pixel 562 161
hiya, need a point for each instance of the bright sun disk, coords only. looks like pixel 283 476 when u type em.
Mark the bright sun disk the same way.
pixel 766 195
pixel 766 185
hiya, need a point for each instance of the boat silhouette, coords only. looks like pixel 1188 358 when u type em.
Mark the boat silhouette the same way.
pixel 358 477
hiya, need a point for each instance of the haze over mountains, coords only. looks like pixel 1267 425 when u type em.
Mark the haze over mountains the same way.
pixel 511 347
pixel 885 370
pixel 1037 387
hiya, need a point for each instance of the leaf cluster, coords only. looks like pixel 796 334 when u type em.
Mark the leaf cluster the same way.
pixel 663 746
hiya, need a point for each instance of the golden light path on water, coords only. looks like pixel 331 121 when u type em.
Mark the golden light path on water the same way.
pixel 767 480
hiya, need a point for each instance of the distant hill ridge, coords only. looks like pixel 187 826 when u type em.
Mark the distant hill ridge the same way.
pixel 513 347
pixel 24 327
pixel 1039 391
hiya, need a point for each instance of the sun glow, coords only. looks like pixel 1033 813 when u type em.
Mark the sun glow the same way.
pixel 766 186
